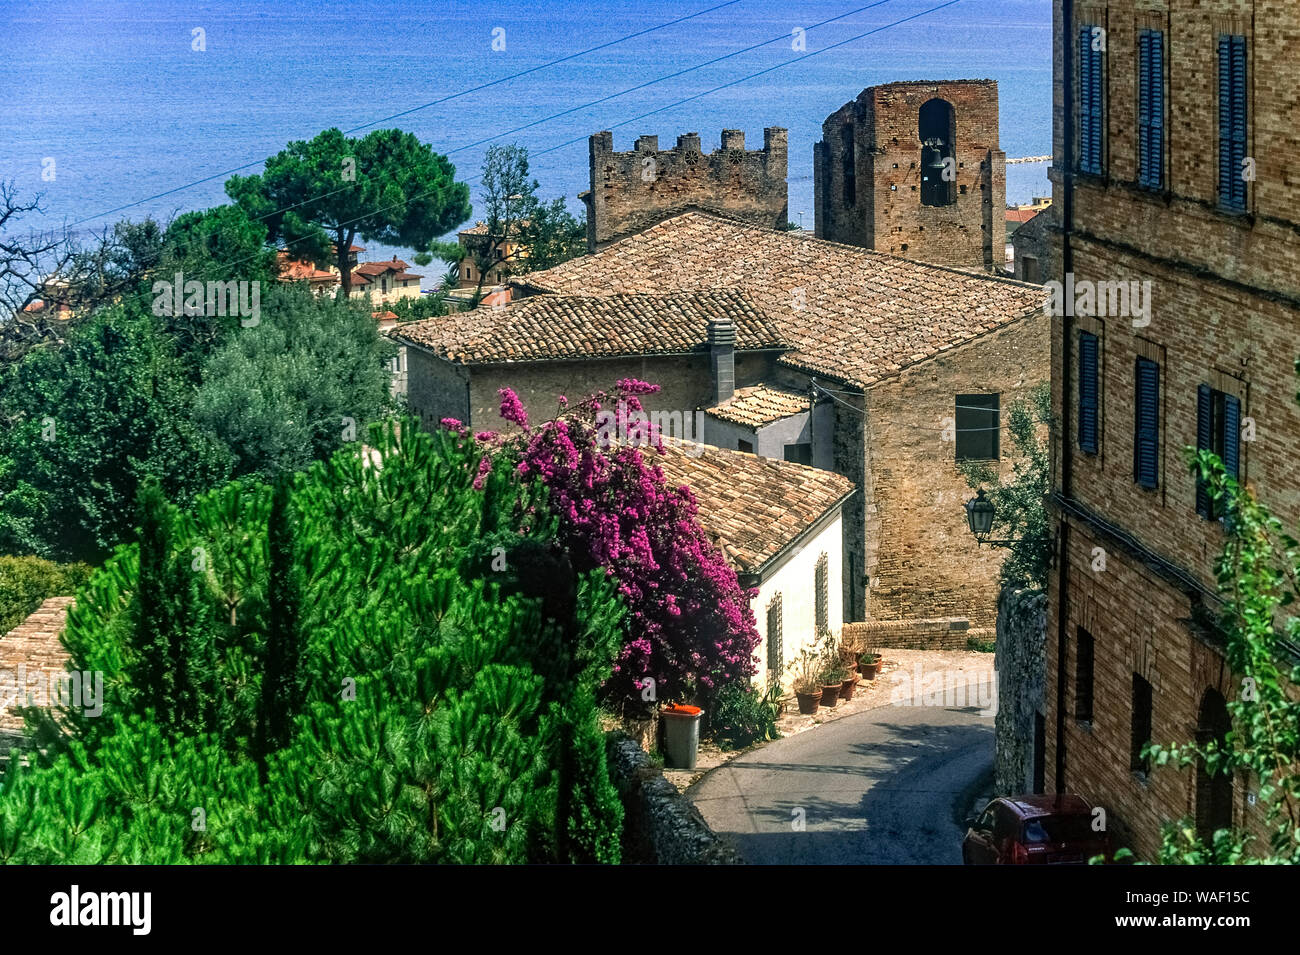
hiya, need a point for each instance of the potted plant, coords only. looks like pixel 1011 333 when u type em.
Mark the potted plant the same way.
pixel 807 681
pixel 809 695
pixel 869 665
pixel 850 681
pixel 833 675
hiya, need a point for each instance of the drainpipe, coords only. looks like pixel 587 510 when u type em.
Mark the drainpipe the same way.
pixel 1067 343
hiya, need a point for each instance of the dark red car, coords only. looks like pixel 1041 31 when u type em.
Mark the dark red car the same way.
pixel 1027 830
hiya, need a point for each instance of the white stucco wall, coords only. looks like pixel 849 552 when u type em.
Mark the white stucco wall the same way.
pixel 795 580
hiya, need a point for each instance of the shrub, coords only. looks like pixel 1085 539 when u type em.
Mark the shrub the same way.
pixel 25 582
pixel 690 628
pixel 740 715
pixel 426 704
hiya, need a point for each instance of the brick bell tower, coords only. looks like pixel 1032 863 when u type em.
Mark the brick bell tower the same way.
pixel 914 169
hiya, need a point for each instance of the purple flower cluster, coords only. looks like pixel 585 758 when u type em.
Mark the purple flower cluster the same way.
pixel 691 626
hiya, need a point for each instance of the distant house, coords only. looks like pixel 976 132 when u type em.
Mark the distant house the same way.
pixel 1034 260
pixel 380 283
pixel 475 242
pixel 384 282
pixel 886 371
pixel 780 526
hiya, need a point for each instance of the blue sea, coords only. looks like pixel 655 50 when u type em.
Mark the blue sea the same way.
pixel 117 97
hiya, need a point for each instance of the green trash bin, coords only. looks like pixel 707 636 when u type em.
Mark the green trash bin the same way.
pixel 681 735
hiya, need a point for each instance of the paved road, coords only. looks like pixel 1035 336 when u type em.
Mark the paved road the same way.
pixel 878 788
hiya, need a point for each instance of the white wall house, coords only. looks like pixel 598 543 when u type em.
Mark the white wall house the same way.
pixel 781 526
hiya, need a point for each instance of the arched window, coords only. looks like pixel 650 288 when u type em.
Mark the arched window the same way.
pixel 937 129
pixel 1213 792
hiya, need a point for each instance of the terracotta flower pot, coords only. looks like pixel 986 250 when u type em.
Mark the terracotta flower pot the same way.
pixel 808 702
pixel 830 694
pixel 870 671
pixel 846 688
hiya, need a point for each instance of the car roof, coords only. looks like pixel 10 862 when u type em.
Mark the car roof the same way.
pixel 1030 806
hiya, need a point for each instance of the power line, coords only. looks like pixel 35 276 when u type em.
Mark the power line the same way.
pixel 414 109
pixel 596 102
pixel 688 99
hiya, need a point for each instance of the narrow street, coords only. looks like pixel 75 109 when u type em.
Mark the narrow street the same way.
pixel 878 788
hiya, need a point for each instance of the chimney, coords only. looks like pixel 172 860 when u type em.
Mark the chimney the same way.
pixel 733 139
pixel 722 355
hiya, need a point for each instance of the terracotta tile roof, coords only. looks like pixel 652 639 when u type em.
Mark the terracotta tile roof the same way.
pixel 558 327
pixel 295 270
pixel 1021 215
pixel 754 505
pixel 759 405
pixel 35 645
pixel 379 268
pixel 850 314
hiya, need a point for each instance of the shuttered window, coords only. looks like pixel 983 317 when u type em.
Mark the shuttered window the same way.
pixel 821 584
pixel 1218 429
pixel 1232 121
pixel 775 621
pixel 1091 107
pixel 1151 108
pixel 1088 396
pixel 1146 438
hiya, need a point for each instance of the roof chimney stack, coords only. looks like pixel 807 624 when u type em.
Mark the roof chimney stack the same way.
pixel 722 355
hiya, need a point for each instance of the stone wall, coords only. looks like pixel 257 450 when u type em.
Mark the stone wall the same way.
pixel 920 555
pixel 942 633
pixel 1020 663
pixel 440 388
pixel 660 825
pixel 867 175
pixel 631 191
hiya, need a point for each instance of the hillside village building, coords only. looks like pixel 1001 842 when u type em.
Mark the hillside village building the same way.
pixel 1151 137
pixel 780 525
pixel 880 369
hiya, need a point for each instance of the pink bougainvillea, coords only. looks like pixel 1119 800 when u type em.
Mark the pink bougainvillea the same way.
pixel 691 628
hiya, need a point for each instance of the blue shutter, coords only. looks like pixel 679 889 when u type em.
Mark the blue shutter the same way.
pixel 1231 435
pixel 1146 443
pixel 1088 392
pixel 1156 114
pixel 1144 108
pixel 1232 120
pixel 1090 89
pixel 1204 441
pixel 1225 120
pixel 1238 120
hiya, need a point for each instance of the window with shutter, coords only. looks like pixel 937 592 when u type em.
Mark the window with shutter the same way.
pixel 1232 121
pixel 821 583
pixel 1151 108
pixel 1146 438
pixel 1090 102
pixel 1218 429
pixel 1088 392
pixel 775 655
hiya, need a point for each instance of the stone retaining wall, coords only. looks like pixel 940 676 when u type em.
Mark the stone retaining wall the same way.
pixel 661 826
pixel 936 633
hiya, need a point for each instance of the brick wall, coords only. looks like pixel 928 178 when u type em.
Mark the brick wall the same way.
pixel 631 191
pixel 1225 298
pixel 877 137
pixel 943 633
pixel 921 557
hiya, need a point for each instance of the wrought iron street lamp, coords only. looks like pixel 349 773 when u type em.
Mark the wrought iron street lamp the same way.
pixel 980 512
